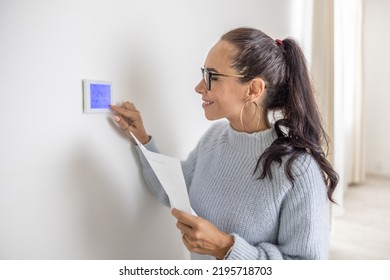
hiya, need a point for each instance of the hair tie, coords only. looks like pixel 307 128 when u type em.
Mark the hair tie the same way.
pixel 280 43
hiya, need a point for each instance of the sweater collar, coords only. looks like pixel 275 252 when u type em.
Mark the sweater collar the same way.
pixel 251 143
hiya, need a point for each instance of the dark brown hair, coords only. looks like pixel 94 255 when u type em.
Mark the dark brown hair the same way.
pixel 282 66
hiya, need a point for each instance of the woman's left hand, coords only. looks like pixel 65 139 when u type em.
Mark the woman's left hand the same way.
pixel 202 237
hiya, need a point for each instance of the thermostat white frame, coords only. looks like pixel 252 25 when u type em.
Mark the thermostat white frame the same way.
pixel 87 96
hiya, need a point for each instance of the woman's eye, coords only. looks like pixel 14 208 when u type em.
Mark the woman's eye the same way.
pixel 214 78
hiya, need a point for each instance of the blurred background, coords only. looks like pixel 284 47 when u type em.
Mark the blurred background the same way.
pixel 70 184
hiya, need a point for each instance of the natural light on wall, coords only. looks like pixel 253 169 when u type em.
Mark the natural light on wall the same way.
pixel 348 85
pixel 301 24
pixel 348 129
pixel 330 33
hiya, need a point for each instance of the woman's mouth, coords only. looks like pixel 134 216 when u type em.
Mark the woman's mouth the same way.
pixel 207 103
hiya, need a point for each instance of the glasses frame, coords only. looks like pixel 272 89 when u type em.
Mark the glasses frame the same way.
pixel 208 75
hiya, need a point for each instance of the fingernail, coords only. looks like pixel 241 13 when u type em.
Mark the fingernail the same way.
pixel 116 118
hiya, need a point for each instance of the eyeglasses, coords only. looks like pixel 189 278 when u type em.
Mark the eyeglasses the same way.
pixel 208 76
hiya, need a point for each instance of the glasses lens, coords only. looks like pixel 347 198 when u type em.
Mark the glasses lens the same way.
pixel 206 77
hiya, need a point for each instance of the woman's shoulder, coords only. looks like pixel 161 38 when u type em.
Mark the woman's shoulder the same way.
pixel 302 168
pixel 308 176
pixel 304 164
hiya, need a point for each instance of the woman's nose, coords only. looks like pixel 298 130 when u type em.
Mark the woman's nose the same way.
pixel 200 87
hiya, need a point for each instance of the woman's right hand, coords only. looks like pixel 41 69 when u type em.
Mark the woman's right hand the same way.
pixel 129 119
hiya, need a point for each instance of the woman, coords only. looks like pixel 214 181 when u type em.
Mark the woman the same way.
pixel 260 190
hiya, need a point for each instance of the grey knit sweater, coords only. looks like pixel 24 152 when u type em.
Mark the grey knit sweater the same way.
pixel 269 218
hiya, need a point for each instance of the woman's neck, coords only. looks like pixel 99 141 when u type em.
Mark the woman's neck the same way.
pixel 250 128
pixel 251 122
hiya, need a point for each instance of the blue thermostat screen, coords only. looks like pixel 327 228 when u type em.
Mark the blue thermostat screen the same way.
pixel 100 96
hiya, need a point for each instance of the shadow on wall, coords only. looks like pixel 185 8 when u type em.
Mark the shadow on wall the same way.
pixel 112 227
pixel 145 72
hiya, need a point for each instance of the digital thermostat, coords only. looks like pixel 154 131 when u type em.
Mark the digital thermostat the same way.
pixel 97 96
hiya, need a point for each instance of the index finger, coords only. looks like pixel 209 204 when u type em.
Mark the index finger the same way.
pixel 117 109
pixel 122 111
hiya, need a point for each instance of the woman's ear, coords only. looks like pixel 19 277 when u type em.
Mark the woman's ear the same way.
pixel 256 88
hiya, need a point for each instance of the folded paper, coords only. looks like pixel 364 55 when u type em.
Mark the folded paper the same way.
pixel 169 173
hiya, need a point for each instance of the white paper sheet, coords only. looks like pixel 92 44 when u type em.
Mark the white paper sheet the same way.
pixel 168 171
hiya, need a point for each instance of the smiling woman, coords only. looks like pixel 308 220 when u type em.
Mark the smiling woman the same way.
pixel 225 96
pixel 260 190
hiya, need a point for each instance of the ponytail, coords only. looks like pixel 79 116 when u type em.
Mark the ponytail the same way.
pixel 282 65
pixel 299 130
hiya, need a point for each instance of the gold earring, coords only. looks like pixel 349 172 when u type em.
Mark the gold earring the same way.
pixel 257 113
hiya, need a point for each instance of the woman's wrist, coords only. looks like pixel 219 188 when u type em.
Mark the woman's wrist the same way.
pixel 226 249
pixel 145 140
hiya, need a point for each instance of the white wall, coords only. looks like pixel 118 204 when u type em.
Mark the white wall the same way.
pixel 376 86
pixel 70 184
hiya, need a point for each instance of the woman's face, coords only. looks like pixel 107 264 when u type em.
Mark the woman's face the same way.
pixel 227 94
